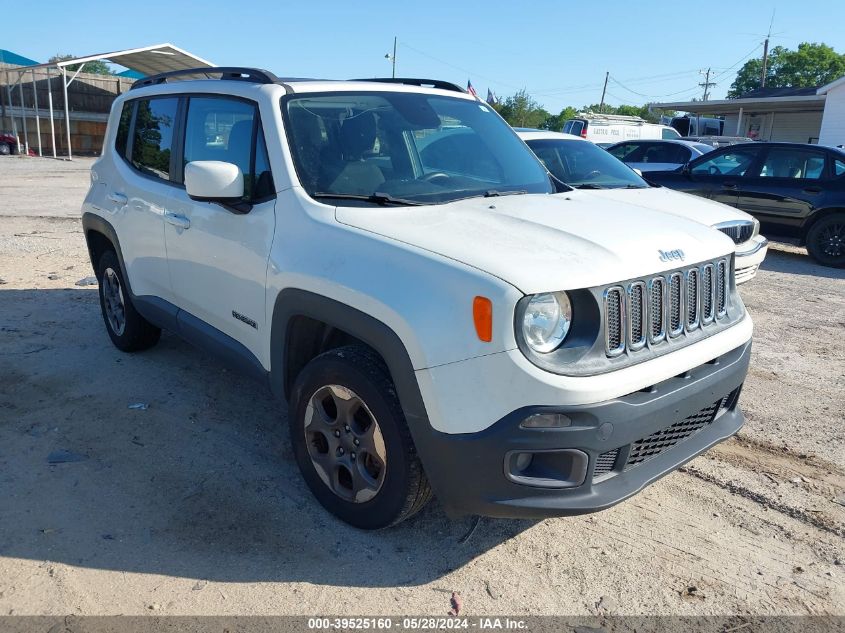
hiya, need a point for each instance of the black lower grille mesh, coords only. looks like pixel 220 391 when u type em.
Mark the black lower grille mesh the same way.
pixel 605 462
pixel 651 446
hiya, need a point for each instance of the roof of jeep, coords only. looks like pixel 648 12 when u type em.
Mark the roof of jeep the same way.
pixel 230 77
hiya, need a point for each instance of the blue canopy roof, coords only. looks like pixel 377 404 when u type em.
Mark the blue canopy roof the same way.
pixel 8 57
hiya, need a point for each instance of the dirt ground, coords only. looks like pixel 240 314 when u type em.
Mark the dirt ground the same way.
pixel 195 505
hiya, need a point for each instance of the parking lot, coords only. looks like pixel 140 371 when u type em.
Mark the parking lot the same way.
pixel 193 504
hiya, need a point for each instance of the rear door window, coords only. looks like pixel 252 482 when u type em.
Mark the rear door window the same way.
pixel 152 141
pixel 786 162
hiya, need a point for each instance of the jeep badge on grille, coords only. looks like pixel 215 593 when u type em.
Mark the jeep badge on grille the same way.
pixel 668 256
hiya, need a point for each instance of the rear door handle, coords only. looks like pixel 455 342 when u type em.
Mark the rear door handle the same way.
pixel 729 185
pixel 812 189
pixel 118 198
pixel 179 221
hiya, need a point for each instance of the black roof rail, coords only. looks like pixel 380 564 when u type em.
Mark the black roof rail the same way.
pixel 422 83
pixel 230 73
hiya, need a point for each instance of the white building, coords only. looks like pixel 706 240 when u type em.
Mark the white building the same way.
pixel 796 115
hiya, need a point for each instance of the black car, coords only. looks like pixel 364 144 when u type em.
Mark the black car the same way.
pixel 795 190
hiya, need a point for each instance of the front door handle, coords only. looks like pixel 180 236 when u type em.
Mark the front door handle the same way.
pixel 729 184
pixel 812 189
pixel 179 221
pixel 118 198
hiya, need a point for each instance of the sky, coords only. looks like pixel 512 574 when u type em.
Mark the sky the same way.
pixel 558 51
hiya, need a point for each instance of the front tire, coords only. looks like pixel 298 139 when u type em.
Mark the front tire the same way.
pixel 351 441
pixel 128 330
pixel 5 150
pixel 826 240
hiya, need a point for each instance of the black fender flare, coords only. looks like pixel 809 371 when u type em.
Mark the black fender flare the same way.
pixel 94 222
pixel 294 302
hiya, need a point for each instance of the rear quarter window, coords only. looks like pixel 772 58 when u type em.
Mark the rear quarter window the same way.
pixel 121 139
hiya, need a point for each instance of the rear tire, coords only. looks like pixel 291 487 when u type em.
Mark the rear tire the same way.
pixel 5 150
pixel 351 441
pixel 826 240
pixel 128 330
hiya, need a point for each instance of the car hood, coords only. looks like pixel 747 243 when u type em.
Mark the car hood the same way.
pixel 540 243
pixel 677 203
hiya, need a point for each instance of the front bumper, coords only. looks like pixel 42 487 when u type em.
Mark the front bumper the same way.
pixel 468 471
pixel 748 260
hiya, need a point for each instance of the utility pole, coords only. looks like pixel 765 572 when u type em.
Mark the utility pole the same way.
pixel 765 62
pixel 707 83
pixel 392 58
pixel 603 91
pixel 766 52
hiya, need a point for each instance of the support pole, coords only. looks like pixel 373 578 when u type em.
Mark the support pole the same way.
pixel 67 112
pixel 394 58
pixel 50 105
pixel 11 114
pixel 23 113
pixel 37 114
pixel 739 122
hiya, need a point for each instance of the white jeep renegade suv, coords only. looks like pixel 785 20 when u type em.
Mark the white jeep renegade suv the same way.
pixel 441 315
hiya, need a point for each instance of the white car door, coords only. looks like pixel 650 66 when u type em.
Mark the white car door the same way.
pixel 217 255
pixel 140 189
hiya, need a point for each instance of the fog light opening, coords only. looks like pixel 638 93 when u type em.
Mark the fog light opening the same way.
pixel 563 468
pixel 521 462
pixel 546 421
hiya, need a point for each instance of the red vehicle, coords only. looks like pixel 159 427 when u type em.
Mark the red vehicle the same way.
pixel 9 144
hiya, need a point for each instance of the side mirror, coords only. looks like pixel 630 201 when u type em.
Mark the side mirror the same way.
pixel 216 181
pixel 685 169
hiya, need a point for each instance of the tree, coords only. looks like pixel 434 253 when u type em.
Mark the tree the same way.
pixel 521 110
pixel 810 65
pixel 97 67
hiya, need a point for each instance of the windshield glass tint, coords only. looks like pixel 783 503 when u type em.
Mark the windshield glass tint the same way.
pixel 410 146
pixel 583 164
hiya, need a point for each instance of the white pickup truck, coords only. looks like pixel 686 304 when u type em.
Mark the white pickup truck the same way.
pixel 441 314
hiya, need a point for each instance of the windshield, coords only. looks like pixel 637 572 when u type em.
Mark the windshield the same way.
pixel 583 165
pixel 406 148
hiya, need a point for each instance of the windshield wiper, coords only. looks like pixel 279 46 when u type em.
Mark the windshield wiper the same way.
pixel 492 193
pixel 588 185
pixel 377 198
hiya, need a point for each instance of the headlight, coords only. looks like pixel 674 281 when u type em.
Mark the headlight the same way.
pixel 546 321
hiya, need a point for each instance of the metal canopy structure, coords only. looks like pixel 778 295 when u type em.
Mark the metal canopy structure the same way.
pixel 149 60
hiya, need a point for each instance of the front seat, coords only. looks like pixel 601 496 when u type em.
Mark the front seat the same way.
pixel 357 136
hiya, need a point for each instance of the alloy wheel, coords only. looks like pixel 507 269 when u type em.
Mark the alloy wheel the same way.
pixel 831 240
pixel 345 443
pixel 114 302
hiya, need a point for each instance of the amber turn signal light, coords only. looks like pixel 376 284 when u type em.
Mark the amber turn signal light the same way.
pixel 482 315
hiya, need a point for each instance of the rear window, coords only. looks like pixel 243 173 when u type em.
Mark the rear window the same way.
pixel 152 141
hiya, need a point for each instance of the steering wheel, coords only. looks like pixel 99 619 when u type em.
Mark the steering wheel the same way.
pixel 434 176
pixel 592 174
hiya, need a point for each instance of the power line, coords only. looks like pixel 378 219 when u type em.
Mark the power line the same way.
pixel 464 70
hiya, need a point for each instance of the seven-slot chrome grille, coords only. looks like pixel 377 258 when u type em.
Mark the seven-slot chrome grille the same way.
pixel 665 306
pixel 739 231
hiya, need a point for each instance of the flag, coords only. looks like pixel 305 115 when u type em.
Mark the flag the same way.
pixel 491 97
pixel 470 89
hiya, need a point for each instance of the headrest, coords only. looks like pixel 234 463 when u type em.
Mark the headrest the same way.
pixel 357 135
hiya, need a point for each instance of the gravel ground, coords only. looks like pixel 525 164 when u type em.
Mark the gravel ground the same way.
pixel 195 505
